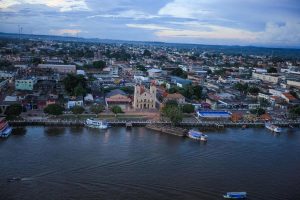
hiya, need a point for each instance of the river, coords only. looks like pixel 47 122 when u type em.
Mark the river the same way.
pixel 81 163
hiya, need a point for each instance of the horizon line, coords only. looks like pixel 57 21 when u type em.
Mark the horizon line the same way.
pixel 147 41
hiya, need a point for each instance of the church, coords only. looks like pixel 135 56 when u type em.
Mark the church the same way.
pixel 144 98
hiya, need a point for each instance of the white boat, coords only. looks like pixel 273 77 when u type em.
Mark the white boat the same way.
pixel 95 123
pixel 272 127
pixel 235 195
pixel 5 129
pixel 197 135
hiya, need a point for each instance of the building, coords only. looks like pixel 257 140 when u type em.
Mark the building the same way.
pixel 25 84
pixel 144 98
pixel 64 69
pixel 180 82
pixel 214 114
pixel 266 77
pixel 154 73
pixel 118 97
pixel 179 98
pixel 74 102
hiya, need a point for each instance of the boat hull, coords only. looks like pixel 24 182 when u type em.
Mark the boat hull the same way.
pixel 5 133
pixel 235 195
pixel 99 124
pixel 197 135
pixel 273 128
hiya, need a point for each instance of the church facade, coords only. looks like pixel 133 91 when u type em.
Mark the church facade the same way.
pixel 144 98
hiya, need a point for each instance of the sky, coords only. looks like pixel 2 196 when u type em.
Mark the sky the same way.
pixel 272 23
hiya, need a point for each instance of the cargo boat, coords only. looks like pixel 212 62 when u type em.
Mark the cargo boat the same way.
pixel 5 129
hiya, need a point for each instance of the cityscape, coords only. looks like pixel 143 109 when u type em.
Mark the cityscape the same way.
pixel 153 110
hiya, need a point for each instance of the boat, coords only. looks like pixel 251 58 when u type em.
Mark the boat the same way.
pixel 235 195
pixel 95 123
pixel 197 135
pixel 244 126
pixel 272 127
pixel 5 129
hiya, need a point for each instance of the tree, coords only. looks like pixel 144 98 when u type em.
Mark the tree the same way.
pixel 36 60
pixel 99 64
pixel 128 89
pixel 295 111
pixel 253 90
pixel 188 91
pixel 141 68
pixel 188 108
pixel 75 84
pixel 220 72
pixel 173 112
pixel 179 72
pixel 264 102
pixel 243 88
pixel 77 110
pixel 117 109
pixel 54 109
pixel 147 53
pixel 96 108
pixel 272 70
pixel 79 90
pixel 13 110
pixel 197 90
pixel 170 103
pixel 258 111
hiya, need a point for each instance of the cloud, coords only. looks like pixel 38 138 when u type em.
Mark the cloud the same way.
pixel 148 26
pixel 71 32
pixel 62 5
pixel 133 14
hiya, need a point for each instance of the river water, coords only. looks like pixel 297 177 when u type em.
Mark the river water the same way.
pixel 81 163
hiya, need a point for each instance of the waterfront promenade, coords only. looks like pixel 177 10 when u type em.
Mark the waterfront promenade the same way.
pixel 217 124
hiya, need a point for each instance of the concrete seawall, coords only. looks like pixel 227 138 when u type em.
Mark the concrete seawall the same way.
pixel 203 124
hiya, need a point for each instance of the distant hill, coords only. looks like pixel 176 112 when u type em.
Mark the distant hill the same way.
pixel 238 50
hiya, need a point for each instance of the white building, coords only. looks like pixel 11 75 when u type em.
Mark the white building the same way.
pixel 65 69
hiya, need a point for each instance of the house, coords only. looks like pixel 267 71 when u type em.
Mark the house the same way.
pixel 288 97
pixel 89 98
pixel 144 98
pixel 118 97
pixel 179 98
pixel 180 82
pixel 25 84
pixel 75 102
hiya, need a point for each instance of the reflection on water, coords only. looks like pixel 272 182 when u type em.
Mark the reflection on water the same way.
pixel 76 130
pixel 53 131
pixel 19 131
pixel 83 163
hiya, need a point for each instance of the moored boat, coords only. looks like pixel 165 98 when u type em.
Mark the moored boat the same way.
pixel 235 195
pixel 197 135
pixel 5 129
pixel 95 123
pixel 272 127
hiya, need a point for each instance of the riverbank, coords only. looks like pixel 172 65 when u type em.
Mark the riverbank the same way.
pixel 143 122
